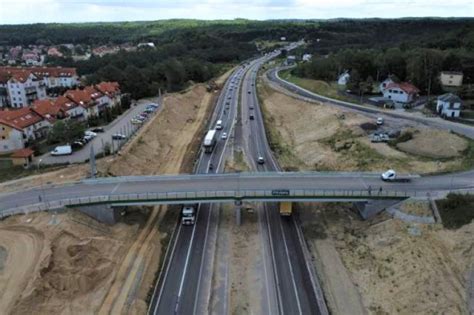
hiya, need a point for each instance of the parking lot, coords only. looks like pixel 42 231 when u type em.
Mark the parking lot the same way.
pixel 122 125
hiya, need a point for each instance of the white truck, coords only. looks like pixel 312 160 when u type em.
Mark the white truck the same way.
pixel 209 141
pixel 219 125
pixel 62 150
pixel 188 215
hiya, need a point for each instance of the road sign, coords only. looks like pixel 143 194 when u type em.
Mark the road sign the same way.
pixel 281 192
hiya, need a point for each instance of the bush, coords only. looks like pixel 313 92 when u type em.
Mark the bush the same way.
pixel 456 210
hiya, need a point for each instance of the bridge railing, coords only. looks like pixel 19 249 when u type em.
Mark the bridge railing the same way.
pixel 213 196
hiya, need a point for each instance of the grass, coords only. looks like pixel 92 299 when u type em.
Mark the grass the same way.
pixel 16 172
pixel 456 210
pixel 324 88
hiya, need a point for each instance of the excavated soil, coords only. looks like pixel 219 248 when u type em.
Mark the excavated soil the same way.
pixel 322 137
pixel 69 263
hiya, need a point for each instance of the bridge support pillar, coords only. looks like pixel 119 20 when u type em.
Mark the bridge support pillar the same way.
pixel 238 212
pixel 102 213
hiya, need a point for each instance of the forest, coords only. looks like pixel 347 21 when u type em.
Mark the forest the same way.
pixel 197 50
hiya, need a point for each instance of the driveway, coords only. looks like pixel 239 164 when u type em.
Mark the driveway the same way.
pixel 121 125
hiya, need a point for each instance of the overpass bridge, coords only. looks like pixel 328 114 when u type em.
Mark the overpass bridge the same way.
pixel 235 187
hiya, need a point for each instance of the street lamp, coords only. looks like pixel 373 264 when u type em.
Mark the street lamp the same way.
pixel 41 181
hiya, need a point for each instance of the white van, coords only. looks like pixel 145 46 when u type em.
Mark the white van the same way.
pixel 219 125
pixel 62 150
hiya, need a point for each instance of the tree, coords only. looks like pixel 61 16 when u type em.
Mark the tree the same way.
pixel 175 74
pixel 66 131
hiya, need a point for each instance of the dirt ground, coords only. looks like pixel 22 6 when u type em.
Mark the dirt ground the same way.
pixel 398 268
pixel 72 267
pixel 321 137
pixel 384 265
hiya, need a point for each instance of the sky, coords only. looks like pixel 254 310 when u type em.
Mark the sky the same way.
pixel 43 11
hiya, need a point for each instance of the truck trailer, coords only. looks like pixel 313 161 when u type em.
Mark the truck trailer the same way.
pixel 210 141
pixel 285 208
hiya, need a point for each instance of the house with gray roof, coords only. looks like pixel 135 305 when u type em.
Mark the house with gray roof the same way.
pixel 449 105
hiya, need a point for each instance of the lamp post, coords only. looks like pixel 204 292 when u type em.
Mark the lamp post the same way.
pixel 41 181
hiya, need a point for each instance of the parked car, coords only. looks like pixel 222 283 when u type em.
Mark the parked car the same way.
pixel 90 133
pixel 98 129
pixel 152 105
pixel 88 137
pixel 118 136
pixel 62 150
pixel 136 121
pixel 76 145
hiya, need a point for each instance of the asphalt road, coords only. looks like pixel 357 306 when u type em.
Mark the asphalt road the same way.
pixel 434 122
pixel 178 290
pixel 120 125
pixel 294 287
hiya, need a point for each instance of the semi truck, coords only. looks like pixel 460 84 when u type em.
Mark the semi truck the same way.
pixel 285 208
pixel 188 215
pixel 210 141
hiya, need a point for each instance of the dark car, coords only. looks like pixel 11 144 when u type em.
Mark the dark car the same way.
pixel 252 117
pixel 76 145
pixel 98 129
pixel 118 136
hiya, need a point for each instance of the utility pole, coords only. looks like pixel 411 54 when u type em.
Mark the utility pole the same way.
pixel 92 163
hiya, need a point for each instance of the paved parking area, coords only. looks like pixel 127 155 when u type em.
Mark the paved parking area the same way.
pixel 120 125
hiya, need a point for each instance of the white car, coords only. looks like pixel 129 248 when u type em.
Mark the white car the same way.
pixel 260 160
pixel 380 121
pixel 224 136
pixel 388 175
pixel 90 133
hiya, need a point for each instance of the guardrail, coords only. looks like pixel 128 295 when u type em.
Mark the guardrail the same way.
pixel 211 196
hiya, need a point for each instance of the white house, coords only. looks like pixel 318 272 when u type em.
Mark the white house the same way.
pixel 343 78
pixel 384 83
pixel 307 57
pixel 449 105
pixel 401 92
pixel 24 88
pixel 451 78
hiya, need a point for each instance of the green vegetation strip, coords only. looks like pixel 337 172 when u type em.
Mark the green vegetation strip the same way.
pixel 456 210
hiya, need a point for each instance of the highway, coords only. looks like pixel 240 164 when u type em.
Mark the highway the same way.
pixel 178 287
pixel 295 292
pixel 434 122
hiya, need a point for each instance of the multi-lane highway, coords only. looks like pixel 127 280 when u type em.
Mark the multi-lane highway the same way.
pixel 294 283
pixel 178 287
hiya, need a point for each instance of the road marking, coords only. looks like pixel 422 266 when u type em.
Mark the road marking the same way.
pixel 167 271
pixel 115 188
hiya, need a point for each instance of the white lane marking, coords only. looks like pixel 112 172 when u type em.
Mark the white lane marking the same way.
pixel 188 255
pixel 291 269
pixel 265 269
pixel 202 259
pixel 115 188
pixel 167 271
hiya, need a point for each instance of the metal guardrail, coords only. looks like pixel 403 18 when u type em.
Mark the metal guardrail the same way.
pixel 224 195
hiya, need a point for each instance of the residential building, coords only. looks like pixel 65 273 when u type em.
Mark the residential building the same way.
pixel 307 57
pixel 386 82
pixel 343 78
pixel 148 44
pixel 71 109
pixel 105 50
pixel 110 89
pixel 23 157
pixel 49 110
pixel 290 60
pixel 23 87
pixel 57 76
pixel 449 105
pixel 451 78
pixel 401 92
pixel 54 52
pixel 33 125
pixel 31 58
pixel 11 137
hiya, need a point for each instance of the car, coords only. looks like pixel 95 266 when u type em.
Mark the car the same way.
pixel 62 150
pixel 87 138
pixel 250 106
pixel 229 98
pixel 260 160
pixel 251 117
pixel 380 121
pixel 98 130
pixel 249 92
pixel 388 175
pixel 76 145
pixel 152 105
pixel 149 110
pixel 90 133
pixel 118 136
pixel 224 136
pixel 136 121
pixel 140 117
